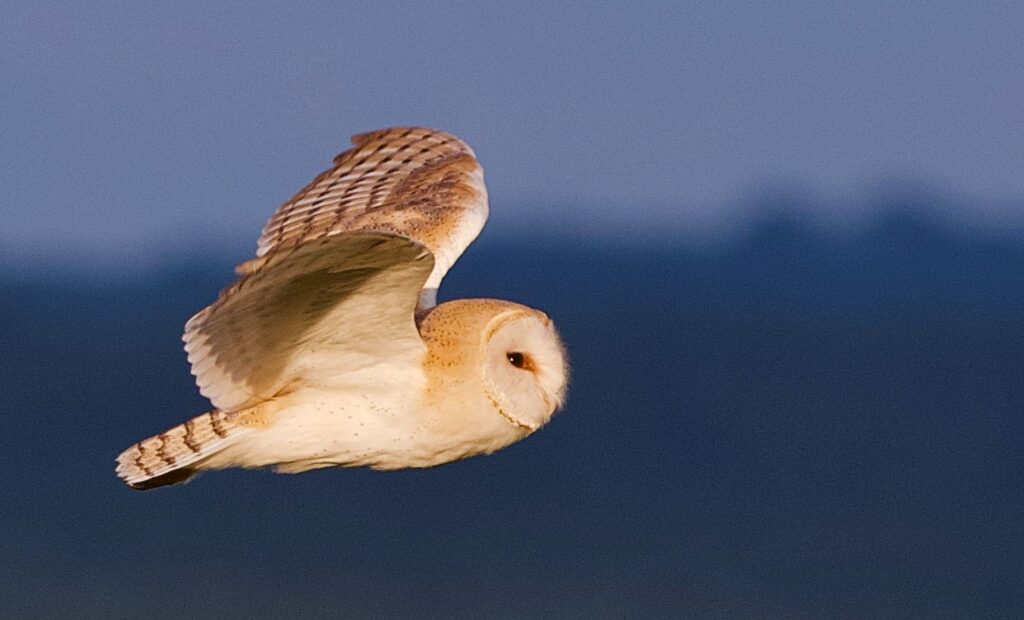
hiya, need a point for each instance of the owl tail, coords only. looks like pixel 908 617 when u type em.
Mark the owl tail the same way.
pixel 179 453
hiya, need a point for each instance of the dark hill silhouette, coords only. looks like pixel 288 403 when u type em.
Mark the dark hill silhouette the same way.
pixel 793 424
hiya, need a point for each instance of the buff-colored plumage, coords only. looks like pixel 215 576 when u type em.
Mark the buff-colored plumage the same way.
pixel 329 350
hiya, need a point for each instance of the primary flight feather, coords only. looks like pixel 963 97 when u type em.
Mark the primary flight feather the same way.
pixel 329 350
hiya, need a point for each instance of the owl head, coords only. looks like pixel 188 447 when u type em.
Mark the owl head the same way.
pixel 511 353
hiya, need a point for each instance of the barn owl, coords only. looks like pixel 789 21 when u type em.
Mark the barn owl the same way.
pixel 330 351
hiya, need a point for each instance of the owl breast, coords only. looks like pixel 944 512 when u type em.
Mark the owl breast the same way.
pixel 391 426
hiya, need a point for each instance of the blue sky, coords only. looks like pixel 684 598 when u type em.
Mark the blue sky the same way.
pixel 130 130
pixel 784 427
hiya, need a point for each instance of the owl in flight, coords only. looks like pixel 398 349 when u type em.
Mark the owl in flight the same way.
pixel 329 350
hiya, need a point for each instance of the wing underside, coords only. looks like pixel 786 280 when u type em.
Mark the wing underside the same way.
pixel 341 303
pixel 341 267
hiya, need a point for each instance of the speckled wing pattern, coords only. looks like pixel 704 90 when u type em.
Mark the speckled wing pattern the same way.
pixel 418 183
pixel 341 268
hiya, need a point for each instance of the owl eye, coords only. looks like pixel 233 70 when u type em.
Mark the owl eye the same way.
pixel 516 359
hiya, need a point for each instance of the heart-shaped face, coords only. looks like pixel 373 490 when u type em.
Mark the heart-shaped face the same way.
pixel 525 369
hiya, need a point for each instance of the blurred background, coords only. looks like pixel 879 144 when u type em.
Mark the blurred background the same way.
pixel 783 242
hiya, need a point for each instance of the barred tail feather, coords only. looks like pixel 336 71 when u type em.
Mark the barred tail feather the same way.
pixel 177 454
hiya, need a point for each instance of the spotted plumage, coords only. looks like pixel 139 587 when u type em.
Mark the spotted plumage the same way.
pixel 329 349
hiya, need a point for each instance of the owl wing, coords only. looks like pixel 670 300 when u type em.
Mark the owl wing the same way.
pixel 341 267
pixel 325 309
pixel 418 183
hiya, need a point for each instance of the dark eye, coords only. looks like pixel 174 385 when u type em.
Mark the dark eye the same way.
pixel 516 359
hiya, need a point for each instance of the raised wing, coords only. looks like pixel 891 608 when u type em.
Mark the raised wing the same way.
pixel 325 308
pixel 418 183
